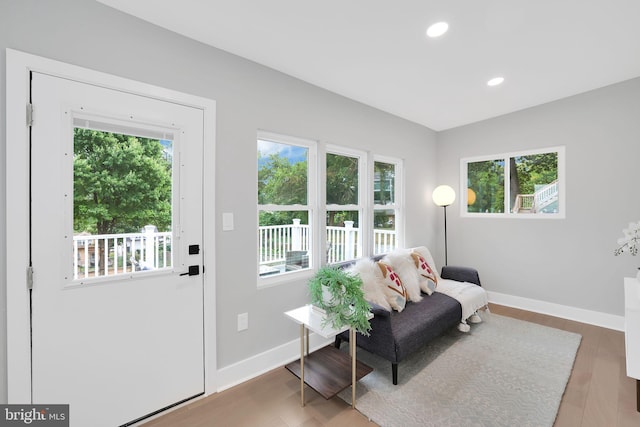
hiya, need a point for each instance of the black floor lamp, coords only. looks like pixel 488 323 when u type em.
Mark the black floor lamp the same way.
pixel 443 196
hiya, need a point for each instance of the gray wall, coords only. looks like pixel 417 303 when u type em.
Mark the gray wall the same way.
pixel 249 97
pixel 570 261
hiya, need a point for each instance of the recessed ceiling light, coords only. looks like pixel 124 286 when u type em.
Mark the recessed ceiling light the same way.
pixel 437 29
pixel 495 81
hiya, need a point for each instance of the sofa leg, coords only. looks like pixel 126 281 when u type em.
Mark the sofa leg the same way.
pixel 338 341
pixel 394 373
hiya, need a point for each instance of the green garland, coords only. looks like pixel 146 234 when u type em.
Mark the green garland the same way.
pixel 348 306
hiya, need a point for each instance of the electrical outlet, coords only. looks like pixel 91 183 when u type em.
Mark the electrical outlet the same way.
pixel 243 321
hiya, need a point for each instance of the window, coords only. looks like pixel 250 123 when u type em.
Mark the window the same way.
pixel 285 204
pixel 386 205
pixel 361 206
pixel 343 205
pixel 527 184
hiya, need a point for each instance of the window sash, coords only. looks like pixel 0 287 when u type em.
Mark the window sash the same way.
pixel 356 241
pixel 307 231
pixel 380 242
pixel 505 159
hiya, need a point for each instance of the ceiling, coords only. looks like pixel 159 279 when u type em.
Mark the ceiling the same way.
pixel 376 51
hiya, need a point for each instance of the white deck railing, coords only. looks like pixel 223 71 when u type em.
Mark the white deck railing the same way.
pixel 546 195
pixel 276 240
pixel 99 255
pixel 343 243
pixel 533 203
pixel 384 241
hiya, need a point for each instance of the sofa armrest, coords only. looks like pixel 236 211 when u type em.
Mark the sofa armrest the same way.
pixel 378 310
pixel 461 274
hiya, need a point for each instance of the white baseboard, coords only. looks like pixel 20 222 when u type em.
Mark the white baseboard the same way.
pixel 266 361
pixel 605 320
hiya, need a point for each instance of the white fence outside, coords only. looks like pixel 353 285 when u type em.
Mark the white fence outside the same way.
pixel 536 202
pixel 99 255
pixel 342 242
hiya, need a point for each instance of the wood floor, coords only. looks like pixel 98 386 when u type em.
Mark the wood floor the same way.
pixel 598 394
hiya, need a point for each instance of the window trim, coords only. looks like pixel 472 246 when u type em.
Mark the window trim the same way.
pixel 561 214
pixel 311 207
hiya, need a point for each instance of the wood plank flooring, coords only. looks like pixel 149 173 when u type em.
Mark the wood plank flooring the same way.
pixel 599 394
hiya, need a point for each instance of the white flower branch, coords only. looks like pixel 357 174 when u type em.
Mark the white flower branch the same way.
pixel 630 241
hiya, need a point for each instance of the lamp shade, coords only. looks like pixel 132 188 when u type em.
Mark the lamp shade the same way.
pixel 443 195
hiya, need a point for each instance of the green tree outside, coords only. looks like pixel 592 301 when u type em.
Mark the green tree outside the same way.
pixel 281 182
pixel 486 179
pixel 121 183
pixel 342 188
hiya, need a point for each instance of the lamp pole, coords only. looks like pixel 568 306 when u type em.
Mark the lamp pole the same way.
pixel 443 195
pixel 445 236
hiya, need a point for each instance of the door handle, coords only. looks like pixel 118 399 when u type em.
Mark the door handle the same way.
pixel 194 270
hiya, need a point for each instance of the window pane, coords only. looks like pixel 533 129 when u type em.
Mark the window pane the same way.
pixel 283 238
pixel 344 238
pixel 384 183
pixel 282 173
pixel 122 193
pixel 534 183
pixel 342 180
pixel 384 231
pixel 485 181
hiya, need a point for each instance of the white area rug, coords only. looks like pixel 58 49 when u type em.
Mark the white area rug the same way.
pixel 505 372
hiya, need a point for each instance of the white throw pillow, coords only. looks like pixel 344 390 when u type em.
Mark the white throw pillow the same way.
pixel 428 280
pixel 403 264
pixel 371 277
pixel 422 250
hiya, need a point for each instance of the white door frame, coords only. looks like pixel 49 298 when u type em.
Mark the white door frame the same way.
pixel 18 67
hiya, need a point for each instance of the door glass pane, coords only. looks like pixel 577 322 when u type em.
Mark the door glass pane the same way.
pixel 485 181
pixel 122 198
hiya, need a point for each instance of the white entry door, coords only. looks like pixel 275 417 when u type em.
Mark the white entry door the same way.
pixel 116 231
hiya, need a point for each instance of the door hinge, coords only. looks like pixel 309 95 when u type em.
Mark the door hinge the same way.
pixel 29 114
pixel 30 277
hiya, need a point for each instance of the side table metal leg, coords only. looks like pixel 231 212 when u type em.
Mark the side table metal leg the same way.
pixel 352 342
pixel 302 340
pixel 638 395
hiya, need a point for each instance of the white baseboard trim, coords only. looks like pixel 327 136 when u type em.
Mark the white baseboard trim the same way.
pixel 264 362
pixel 605 320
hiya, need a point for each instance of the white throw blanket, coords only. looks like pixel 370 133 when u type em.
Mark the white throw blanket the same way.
pixel 470 296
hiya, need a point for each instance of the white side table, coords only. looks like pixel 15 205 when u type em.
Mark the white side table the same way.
pixel 328 370
pixel 632 331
